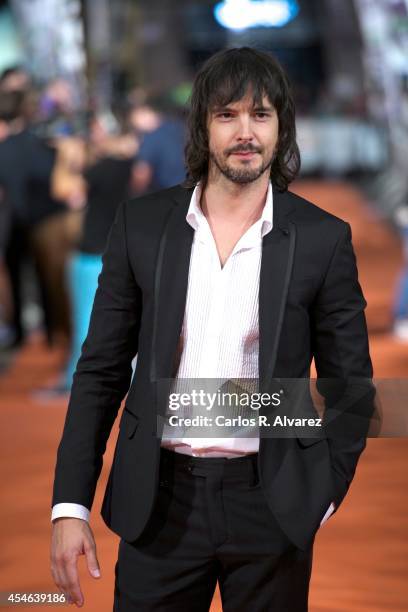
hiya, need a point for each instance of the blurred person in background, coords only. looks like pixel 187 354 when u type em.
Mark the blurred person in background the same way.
pixel 15 78
pixel 400 310
pixel 41 227
pixel 160 159
pixel 401 297
pixel 57 110
pixel 6 300
pixel 104 181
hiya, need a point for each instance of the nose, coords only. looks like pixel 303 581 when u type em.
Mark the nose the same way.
pixel 244 128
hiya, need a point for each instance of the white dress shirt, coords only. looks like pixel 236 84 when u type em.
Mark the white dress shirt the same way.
pixel 220 332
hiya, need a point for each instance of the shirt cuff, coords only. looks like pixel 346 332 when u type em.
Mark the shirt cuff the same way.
pixel 70 511
pixel 329 512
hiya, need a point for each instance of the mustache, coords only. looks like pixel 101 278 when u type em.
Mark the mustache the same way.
pixel 243 149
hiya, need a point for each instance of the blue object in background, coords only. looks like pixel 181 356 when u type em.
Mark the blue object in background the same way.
pixel 243 14
pixel 163 150
pixel 83 272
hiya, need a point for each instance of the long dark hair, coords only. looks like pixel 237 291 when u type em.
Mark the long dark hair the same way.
pixel 225 78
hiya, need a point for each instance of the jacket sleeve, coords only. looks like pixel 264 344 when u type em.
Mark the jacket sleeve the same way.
pixel 343 364
pixel 103 373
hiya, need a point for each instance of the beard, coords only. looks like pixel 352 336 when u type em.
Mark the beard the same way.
pixel 244 174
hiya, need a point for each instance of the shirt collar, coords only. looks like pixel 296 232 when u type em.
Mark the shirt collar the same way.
pixel 195 216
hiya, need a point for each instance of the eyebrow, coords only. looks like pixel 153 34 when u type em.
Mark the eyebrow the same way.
pixel 223 109
pixel 263 108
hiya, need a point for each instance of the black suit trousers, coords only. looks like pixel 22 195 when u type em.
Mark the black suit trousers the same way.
pixel 211 523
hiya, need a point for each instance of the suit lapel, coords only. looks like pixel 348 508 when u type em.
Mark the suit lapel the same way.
pixel 171 279
pixel 277 260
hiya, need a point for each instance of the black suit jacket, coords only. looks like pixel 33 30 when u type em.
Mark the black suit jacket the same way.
pixel 310 305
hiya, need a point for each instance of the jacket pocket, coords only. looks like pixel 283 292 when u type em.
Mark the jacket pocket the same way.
pixel 305 442
pixel 129 422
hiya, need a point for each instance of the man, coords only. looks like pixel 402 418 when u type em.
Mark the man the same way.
pixel 236 278
pixel 14 79
pixel 160 161
pixel 39 224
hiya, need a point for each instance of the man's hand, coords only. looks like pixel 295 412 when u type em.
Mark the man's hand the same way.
pixel 72 537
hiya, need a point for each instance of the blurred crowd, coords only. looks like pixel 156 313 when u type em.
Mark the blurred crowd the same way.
pixel 64 169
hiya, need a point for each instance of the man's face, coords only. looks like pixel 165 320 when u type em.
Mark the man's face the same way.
pixel 242 139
